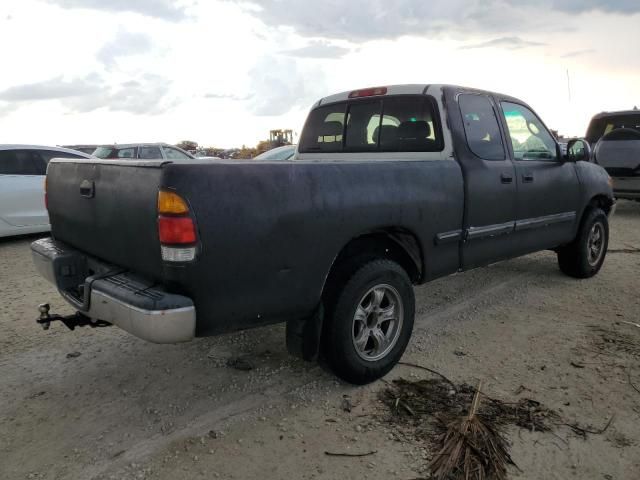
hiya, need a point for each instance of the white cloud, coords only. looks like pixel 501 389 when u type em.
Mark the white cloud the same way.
pixel 578 53
pixel 280 84
pixel 361 20
pixel 148 95
pixel 318 49
pixel 164 9
pixel 125 44
pixel 512 43
pixel 53 89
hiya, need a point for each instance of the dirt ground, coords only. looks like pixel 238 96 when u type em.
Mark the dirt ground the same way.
pixel 102 404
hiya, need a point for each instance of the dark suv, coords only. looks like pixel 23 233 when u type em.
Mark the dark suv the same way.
pixel 615 138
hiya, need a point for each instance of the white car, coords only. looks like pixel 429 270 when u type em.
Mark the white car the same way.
pixel 285 152
pixel 22 174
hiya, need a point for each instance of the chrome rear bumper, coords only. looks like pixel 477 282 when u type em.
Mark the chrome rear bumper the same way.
pixel 103 292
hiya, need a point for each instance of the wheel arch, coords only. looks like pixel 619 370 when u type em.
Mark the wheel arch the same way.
pixel 600 201
pixel 305 335
pixel 395 243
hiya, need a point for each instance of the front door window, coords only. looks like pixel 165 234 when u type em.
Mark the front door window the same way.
pixel 529 137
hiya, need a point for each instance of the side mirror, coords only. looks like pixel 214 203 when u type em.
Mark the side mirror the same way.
pixel 578 150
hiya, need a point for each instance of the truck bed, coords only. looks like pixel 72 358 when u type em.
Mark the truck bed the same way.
pixel 268 232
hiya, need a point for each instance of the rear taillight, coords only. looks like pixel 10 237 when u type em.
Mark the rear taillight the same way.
pixel 176 228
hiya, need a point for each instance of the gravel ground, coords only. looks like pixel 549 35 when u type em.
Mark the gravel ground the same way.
pixel 102 404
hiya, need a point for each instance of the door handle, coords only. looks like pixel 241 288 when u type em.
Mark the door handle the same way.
pixel 505 178
pixel 527 177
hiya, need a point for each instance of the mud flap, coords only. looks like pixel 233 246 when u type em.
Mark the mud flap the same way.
pixel 303 336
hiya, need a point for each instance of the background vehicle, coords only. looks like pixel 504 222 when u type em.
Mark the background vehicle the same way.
pixel 615 137
pixel 202 155
pixel 22 173
pixel 142 151
pixel 88 149
pixel 390 187
pixel 280 153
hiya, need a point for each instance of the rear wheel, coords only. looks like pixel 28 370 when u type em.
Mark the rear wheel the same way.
pixel 369 322
pixel 584 257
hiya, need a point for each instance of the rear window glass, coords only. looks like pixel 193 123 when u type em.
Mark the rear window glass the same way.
pixel 602 126
pixel 406 123
pixel 362 121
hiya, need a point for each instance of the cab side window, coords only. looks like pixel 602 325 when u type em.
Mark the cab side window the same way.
pixel 149 153
pixel 529 137
pixel 127 153
pixel 481 127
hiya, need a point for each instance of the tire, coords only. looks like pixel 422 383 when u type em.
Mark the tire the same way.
pixel 584 257
pixel 363 349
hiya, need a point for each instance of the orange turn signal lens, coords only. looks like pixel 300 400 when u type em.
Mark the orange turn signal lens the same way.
pixel 171 203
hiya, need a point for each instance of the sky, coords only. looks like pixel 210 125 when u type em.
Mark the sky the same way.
pixel 225 72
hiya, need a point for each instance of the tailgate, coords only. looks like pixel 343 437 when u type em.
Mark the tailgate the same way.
pixel 108 209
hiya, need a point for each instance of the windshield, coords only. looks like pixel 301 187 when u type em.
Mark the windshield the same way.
pixel 102 152
pixel 280 153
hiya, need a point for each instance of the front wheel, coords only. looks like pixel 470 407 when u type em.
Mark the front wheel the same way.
pixel 370 322
pixel 584 257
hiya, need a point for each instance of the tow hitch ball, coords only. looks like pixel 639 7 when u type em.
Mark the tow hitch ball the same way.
pixel 70 321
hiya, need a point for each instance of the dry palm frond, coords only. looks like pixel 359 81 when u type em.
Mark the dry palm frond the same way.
pixel 471 449
pixel 413 402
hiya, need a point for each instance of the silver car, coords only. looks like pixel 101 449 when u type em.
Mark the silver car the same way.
pixel 141 151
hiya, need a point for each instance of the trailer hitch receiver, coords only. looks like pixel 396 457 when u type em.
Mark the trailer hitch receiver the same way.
pixel 71 321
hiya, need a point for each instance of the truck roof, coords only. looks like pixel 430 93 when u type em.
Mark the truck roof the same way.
pixel 408 89
pixel 615 114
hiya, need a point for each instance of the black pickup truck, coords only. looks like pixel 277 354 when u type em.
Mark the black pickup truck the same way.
pixel 390 187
